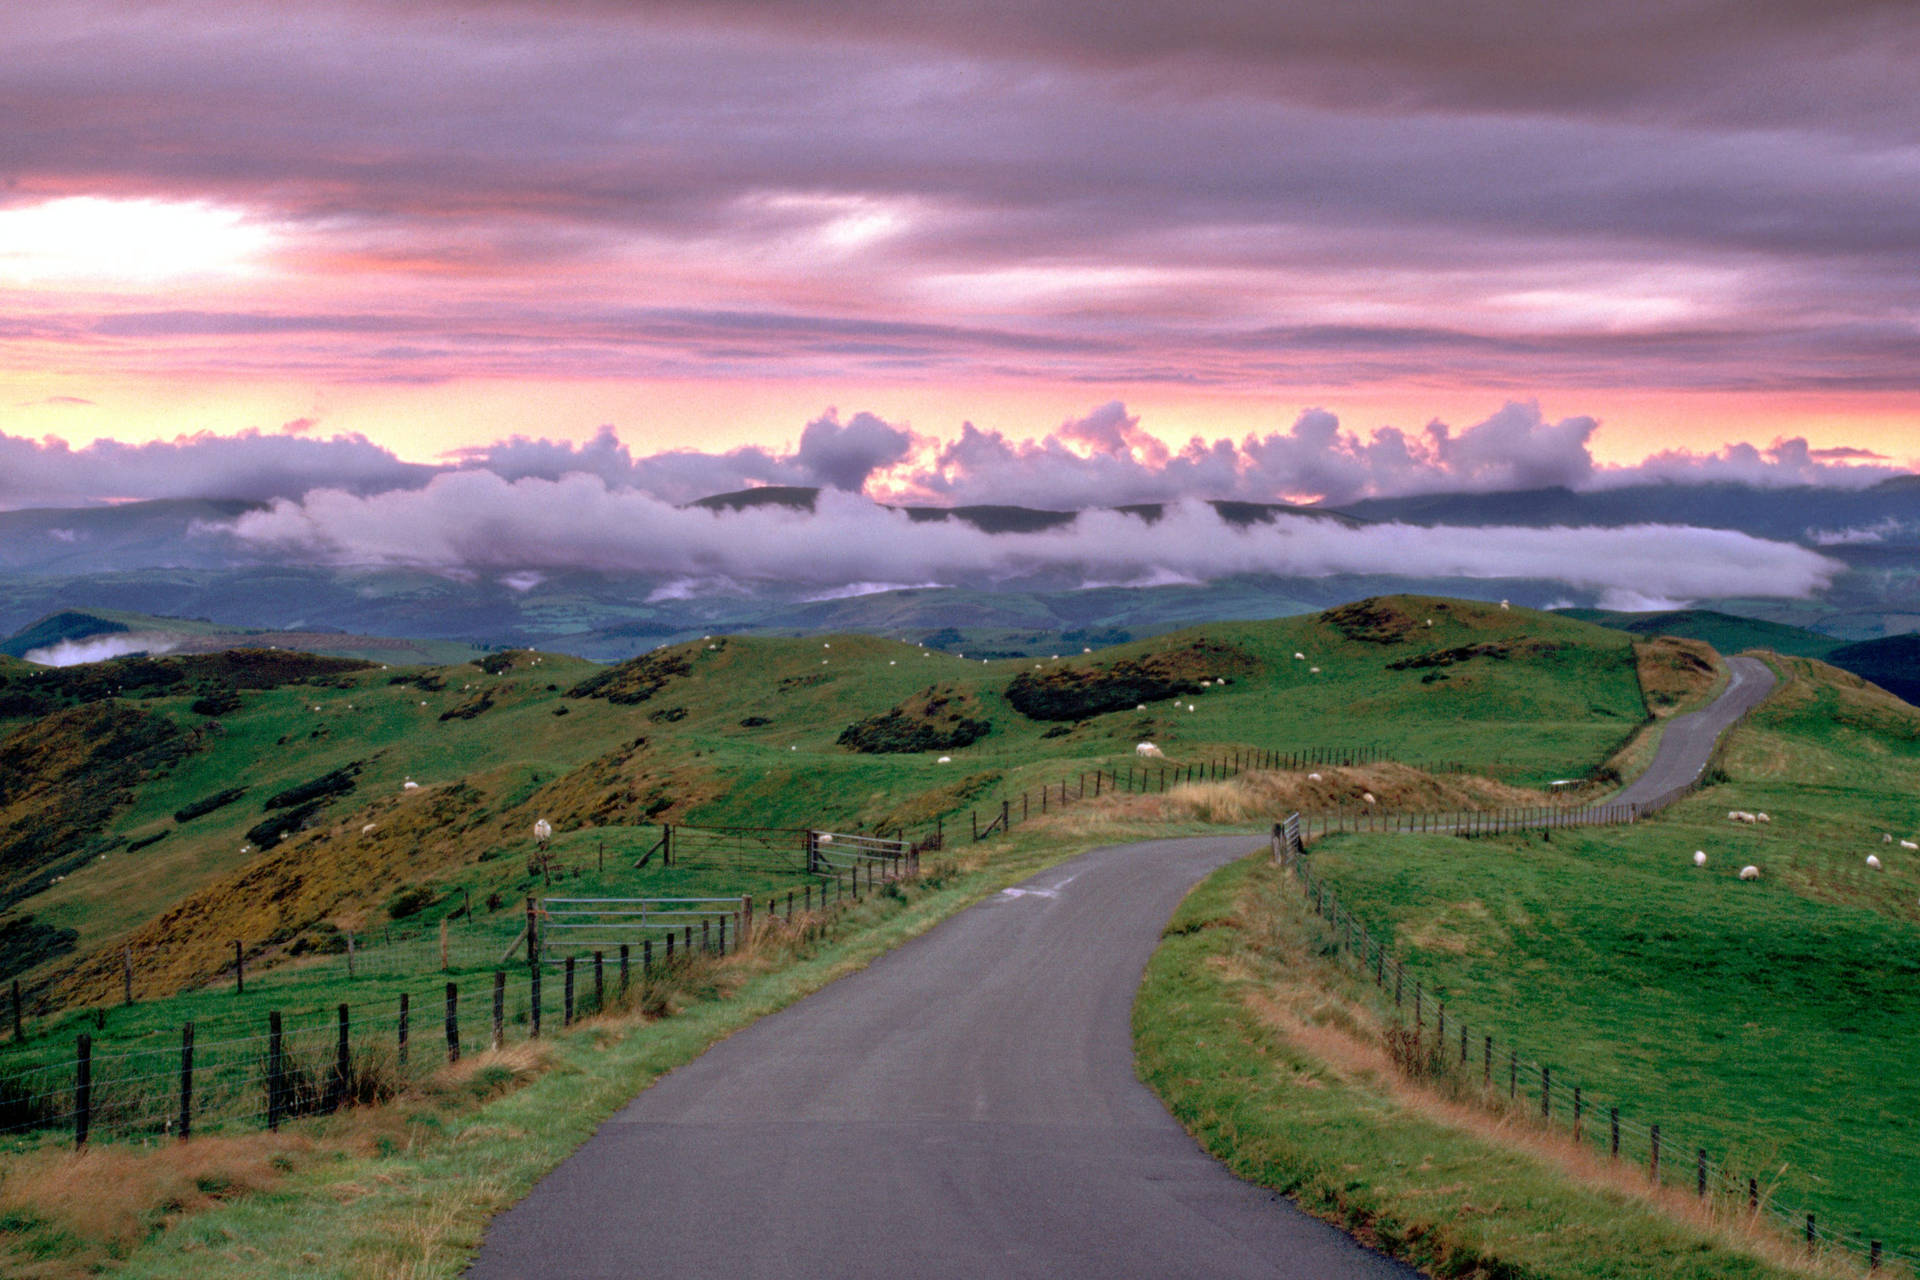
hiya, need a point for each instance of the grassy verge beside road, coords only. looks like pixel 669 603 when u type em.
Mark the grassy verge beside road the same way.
pixel 1278 1062
pixel 406 1189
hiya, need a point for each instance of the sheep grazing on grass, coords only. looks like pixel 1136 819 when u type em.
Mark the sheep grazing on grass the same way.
pixel 369 828
pixel 409 785
pixel 1749 872
pixel 1366 797
pixel 1313 777
pixel 1739 815
pixel 1909 845
pixel 1149 750
pixel 1886 837
pixel 1505 605
pixel 1699 857
pixel 1761 817
pixel 542 832
pixel 944 760
pixel 1873 861
pixel 1299 657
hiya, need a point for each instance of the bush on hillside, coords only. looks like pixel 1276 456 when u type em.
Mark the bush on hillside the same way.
pixel 207 804
pixel 324 787
pixel 935 719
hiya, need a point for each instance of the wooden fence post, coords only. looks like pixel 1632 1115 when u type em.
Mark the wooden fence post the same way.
pixel 342 1065
pixel 499 1009
pixel 186 1081
pixel 126 975
pixel 566 1004
pixel 239 970
pixel 1653 1167
pixel 276 1069
pixel 1576 1113
pixel 646 956
pixel 1546 1094
pixel 1613 1124
pixel 625 975
pixel 82 1090
pixel 453 1022
pixel 1700 1180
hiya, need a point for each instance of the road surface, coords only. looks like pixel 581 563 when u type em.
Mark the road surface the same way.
pixel 1687 744
pixel 964 1107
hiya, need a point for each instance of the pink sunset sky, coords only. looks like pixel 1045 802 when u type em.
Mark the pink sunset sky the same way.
pixel 1046 251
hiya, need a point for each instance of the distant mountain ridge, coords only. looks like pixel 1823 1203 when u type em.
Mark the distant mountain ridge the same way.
pixel 179 559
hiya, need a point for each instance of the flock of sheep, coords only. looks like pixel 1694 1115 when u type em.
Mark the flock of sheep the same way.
pixel 1751 872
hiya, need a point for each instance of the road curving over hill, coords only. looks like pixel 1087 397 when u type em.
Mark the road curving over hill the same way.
pixel 1687 745
pixel 966 1106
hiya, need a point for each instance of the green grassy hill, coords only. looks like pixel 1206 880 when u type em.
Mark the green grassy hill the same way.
pixel 274 809
pixel 1726 632
pixel 1767 1021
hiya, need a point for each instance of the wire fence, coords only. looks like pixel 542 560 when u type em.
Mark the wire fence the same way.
pixel 578 956
pixel 1154 776
pixel 1437 1047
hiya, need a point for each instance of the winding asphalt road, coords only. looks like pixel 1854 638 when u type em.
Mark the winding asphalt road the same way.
pixel 963 1107
pixel 1687 745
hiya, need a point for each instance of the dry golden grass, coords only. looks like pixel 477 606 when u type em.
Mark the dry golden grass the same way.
pixel 109 1198
pixel 1314 1007
pixel 1263 796
pixel 1678 675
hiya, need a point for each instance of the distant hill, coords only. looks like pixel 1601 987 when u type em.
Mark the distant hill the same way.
pixel 1892 662
pixel 1726 632
pixel 1793 515
pixel 75 635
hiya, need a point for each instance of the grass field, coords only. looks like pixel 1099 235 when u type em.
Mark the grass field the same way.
pixel 1768 1021
pixel 1282 1062
pixel 742 731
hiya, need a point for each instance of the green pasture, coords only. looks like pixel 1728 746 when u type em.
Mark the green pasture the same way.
pixel 1770 1021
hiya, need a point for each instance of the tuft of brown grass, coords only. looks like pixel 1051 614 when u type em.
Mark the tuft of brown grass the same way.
pixel 109 1198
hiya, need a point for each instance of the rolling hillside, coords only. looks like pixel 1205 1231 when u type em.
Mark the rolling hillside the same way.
pixel 249 816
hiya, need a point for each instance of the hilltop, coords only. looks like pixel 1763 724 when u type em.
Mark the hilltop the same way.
pixel 271 804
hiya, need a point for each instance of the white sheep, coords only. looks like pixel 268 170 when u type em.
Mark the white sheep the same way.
pixel 542 832
pixel 1366 797
pixel 1313 777
pixel 1141 707
pixel 369 828
pixel 1313 671
pixel 1761 817
pixel 1429 622
pixel 409 785
pixel 1909 846
pixel 1699 857
pixel 1504 605
pixel 944 760
pixel 1149 750
pixel 1298 656
pixel 1749 872
pixel 1873 861
pixel 1886 837
pixel 1189 706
